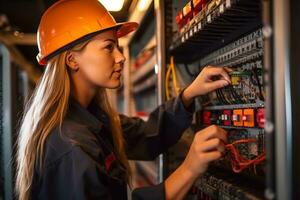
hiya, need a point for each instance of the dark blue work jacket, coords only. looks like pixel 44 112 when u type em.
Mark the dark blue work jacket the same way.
pixel 80 163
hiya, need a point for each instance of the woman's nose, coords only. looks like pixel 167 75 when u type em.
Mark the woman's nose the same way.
pixel 119 57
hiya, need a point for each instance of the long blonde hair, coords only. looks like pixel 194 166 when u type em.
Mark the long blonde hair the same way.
pixel 46 110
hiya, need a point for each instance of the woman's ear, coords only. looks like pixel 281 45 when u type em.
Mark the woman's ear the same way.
pixel 71 61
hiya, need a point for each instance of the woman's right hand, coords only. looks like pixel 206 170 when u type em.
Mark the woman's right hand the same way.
pixel 208 145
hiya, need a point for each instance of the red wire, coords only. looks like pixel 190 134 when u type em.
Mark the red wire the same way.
pixel 239 162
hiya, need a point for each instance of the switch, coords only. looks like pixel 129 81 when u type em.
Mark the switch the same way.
pixel 187 11
pixel 206 116
pixel 180 20
pixel 198 5
pixel 235 80
pixel 227 117
pixel 260 117
pixel 248 117
pixel 237 117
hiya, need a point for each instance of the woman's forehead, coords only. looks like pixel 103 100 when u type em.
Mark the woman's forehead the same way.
pixel 105 35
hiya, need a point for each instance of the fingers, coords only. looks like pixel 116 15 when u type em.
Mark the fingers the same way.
pixel 208 146
pixel 228 69
pixel 212 156
pixel 215 71
pixel 214 131
pixel 213 144
pixel 216 84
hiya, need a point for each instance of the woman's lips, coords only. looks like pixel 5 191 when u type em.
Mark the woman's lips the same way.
pixel 117 74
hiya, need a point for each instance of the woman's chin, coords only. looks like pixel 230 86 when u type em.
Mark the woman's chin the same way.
pixel 114 84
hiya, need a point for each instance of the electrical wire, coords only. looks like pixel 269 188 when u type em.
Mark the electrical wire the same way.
pixel 232 96
pixel 259 85
pixel 249 87
pixel 225 97
pixel 236 96
pixel 171 70
pixel 176 88
pixel 167 82
pixel 220 98
pixel 239 162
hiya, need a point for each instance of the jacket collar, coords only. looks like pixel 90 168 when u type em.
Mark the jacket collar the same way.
pixel 93 117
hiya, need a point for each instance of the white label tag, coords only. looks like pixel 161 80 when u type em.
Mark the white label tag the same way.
pixel 191 32
pixel 228 3
pixel 199 26
pixel 208 18
pixel 221 8
pixel 195 29
pixel 222 117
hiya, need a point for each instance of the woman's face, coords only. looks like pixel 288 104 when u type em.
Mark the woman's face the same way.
pixel 100 63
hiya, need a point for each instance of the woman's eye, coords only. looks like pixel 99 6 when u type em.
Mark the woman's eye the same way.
pixel 109 47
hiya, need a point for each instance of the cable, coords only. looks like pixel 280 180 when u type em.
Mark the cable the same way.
pixel 167 82
pixel 232 95
pixel 219 97
pixel 225 97
pixel 249 87
pixel 240 101
pixel 258 83
pixel 171 69
pixel 176 88
pixel 239 162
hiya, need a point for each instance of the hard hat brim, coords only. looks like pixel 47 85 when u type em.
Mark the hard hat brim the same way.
pixel 123 29
pixel 126 28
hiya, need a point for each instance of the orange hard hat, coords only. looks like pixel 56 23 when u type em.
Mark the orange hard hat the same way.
pixel 69 21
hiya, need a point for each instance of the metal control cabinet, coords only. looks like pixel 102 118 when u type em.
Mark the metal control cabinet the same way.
pixel 14 89
pixel 277 26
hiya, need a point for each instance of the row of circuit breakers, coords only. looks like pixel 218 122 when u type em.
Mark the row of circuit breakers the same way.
pixel 191 11
pixel 238 117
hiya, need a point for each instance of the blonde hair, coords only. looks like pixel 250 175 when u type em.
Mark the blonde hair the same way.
pixel 46 110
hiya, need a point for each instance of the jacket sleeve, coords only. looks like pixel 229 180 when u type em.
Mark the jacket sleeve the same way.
pixel 164 127
pixel 74 176
pixel 149 193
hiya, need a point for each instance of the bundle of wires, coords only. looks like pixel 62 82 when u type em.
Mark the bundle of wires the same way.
pixel 239 162
pixel 171 71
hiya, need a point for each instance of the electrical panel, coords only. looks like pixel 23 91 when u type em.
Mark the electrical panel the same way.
pixel 224 33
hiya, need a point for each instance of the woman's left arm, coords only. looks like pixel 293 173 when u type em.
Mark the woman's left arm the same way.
pixel 145 140
pixel 165 125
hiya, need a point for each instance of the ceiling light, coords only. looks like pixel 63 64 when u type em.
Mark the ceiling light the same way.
pixel 112 5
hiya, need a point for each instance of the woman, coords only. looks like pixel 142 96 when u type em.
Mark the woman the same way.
pixel 72 144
